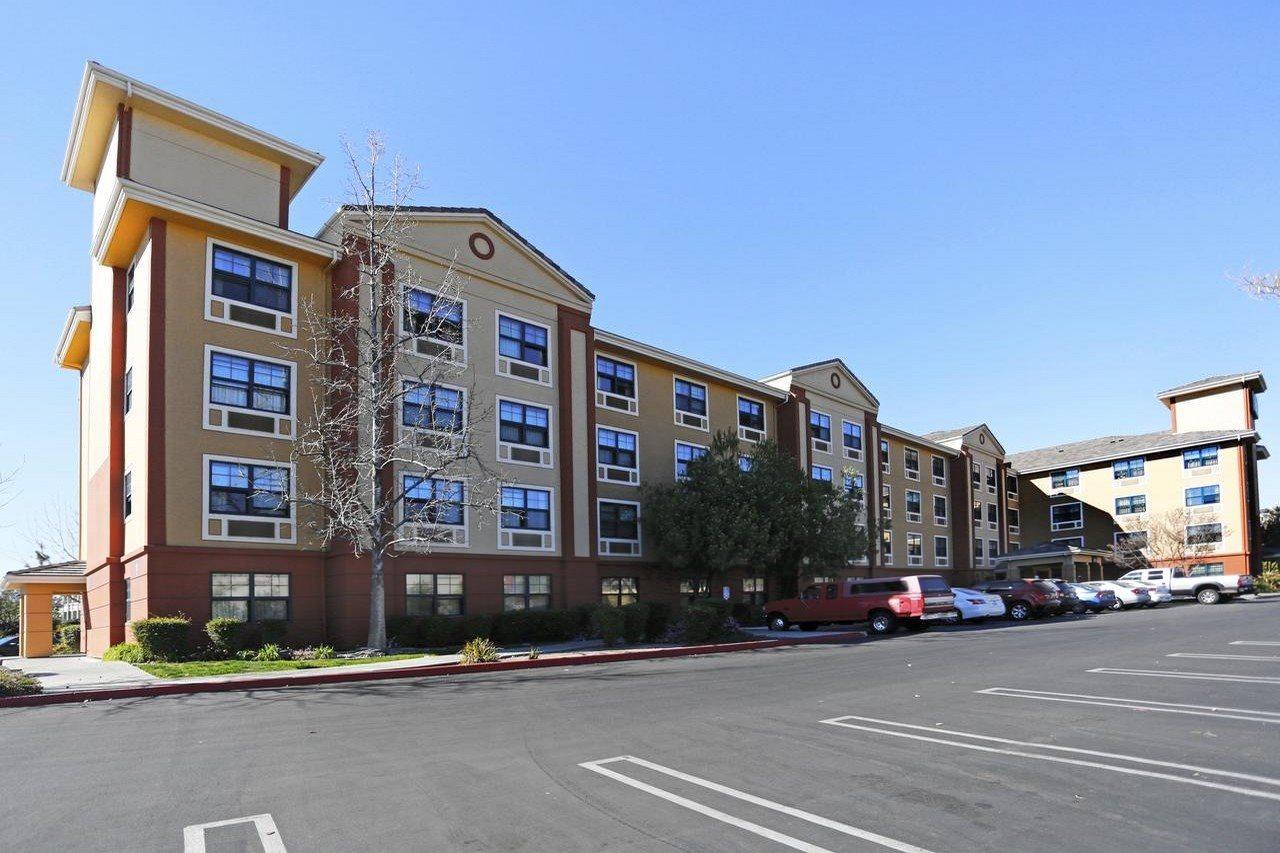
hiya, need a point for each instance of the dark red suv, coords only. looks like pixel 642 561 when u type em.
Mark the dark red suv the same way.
pixel 1025 598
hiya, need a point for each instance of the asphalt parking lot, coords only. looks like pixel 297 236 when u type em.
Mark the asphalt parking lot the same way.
pixel 1147 730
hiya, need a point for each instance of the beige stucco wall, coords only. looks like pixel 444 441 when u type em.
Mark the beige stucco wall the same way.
pixel 1221 409
pixel 898 525
pixel 136 432
pixel 106 182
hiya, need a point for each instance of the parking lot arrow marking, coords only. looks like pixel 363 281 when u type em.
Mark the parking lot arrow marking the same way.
pixel 1136 704
pixel 1060 759
pixel 1197 676
pixel 757 829
pixel 1265 658
pixel 268 834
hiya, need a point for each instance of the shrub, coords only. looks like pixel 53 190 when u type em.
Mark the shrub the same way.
pixel 246 654
pixel 226 634
pixel 314 653
pixel 163 638
pixel 14 683
pixel 610 625
pixel 635 618
pixel 69 634
pixel 535 653
pixel 659 619
pixel 324 652
pixel 479 650
pixel 273 631
pixel 747 614
pixel 126 653
pixel 535 626
pixel 1269 580
pixel 403 630
pixel 705 620
pixel 268 652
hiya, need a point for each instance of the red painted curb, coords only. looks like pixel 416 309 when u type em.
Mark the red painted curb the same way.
pixel 336 675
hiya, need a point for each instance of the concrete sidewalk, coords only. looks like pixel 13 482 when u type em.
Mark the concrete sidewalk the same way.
pixel 79 672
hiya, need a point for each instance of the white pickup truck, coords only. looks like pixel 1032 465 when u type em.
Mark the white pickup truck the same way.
pixel 1205 584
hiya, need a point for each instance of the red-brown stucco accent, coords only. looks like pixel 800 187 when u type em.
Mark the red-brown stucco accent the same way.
pixel 285 176
pixel 124 140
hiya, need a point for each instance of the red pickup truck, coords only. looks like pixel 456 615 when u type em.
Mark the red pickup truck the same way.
pixel 912 602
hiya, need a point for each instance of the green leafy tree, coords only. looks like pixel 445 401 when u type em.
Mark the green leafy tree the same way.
pixel 1271 527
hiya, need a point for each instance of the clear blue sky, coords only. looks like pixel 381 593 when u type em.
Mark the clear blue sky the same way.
pixel 1018 214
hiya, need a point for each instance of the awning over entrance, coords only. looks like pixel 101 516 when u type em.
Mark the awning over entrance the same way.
pixel 38 585
pixel 1054 560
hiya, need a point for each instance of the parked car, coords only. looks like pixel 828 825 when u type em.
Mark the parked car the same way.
pixel 1128 594
pixel 1024 598
pixel 1070 601
pixel 9 646
pixel 1094 600
pixel 972 605
pixel 913 602
pixel 1205 583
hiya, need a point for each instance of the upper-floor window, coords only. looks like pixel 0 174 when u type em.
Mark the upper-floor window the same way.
pixel 911 463
pixel 1125 469
pixel 939 471
pixel 1066 516
pixel 241 277
pixel 1200 457
pixel 886 546
pixel 432 407
pixel 851 435
pixel 977 513
pixel 915 549
pixel 615 377
pixel 820 473
pixel 1203 495
pixel 1011 485
pixel 1131 540
pixel 432 500
pixel 993 550
pixel 1012 515
pixel 523 423
pixel 619 520
pixel 248 383
pixel 237 488
pixel 977 476
pixel 616 448
pixel 522 341
pixel 525 508
pixel 434 317
pixel 886 500
pixel 691 399
pixel 884 456
pixel 1066 479
pixel 128 390
pixel 128 288
pixel 913 505
pixel 751 414
pixel 993 516
pixel 941 550
pixel 978 554
pixel 686 453
pixel 853 485
pixel 128 493
pixel 820 431
pixel 1131 504
pixel 939 509
pixel 991 480
pixel 1204 534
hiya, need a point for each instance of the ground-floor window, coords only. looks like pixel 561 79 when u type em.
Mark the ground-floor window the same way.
pixel 433 595
pixel 250 596
pixel 526 592
pixel 753 590
pixel 693 589
pixel 618 592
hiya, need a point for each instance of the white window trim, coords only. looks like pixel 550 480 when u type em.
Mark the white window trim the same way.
pixel 979 552
pixel 992 477
pixel 465 526
pixel 550 532
pixel 938 481
pixel 764 415
pixel 993 525
pixel 1074 485
pixel 946 507
pixel 849 453
pixel 1115 537
pixel 915 560
pixel 425 430
pixel 886 509
pixel 941 562
pixel 1212 546
pixel 466 337
pixel 676 411
pixel 634 408
pixel 675 460
pixel 886 458
pixel 814 442
pixel 551 433
pixel 1130 480
pixel 1057 526
pixel 907 472
pixel 1115 506
pixel 826 468
pixel 498 356
pixel 209 349
pixel 913 517
pixel 205 515
pixel 292 314
pixel 601 468
pixel 601 540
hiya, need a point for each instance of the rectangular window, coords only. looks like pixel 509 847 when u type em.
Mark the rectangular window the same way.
pixel 1203 495
pixel 914 508
pixel 1066 516
pixel 241 277
pixel 691 398
pixel 128 390
pixel 1200 457
pixel 1127 469
pixel 941 550
pixel 1072 541
pixel 979 556
pixel 619 521
pixel 128 493
pixel 993 516
pixel 1013 519
pixel 526 592
pixel 939 471
pixel 820 473
pixel 524 424
pixel 1011 485
pixel 993 550
pixel 427 315
pixel 431 500
pixel 851 436
pixel 128 296
pixel 1131 505
pixel 250 596
pixel 977 476
pixel 237 488
pixel 432 407
pixel 615 377
pixel 977 513
pixel 911 463
pixel 1134 540
pixel 886 546
pixel 886 500
pixel 693 588
pixel 939 509
pixel 248 383
pixel 915 549
pixel 884 456
pixel 750 414
pixel 853 485
pixel 686 453
pixel 1204 534
pixel 991 481
pixel 616 448
pixel 1066 479
pixel 525 509
pixel 433 595
pixel 619 592
pixel 754 591
pixel 820 431
pixel 521 341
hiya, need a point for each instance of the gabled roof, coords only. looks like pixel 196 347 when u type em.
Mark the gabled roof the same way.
pixel 837 363
pixel 944 436
pixel 1252 377
pixel 68 572
pixel 903 435
pixel 611 339
pixel 437 211
pixel 1110 447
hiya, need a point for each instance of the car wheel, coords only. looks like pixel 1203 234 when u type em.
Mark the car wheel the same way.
pixel 1117 605
pixel 1078 609
pixel 778 622
pixel 955 618
pixel 882 622
pixel 1020 611
pixel 1209 595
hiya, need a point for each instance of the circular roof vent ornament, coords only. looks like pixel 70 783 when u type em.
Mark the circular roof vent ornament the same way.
pixel 835 379
pixel 481 246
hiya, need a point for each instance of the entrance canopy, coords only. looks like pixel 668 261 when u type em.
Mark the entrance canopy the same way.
pixel 38 585
pixel 1053 560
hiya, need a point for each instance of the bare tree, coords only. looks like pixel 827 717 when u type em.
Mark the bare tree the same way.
pixel 1164 539
pixel 55 532
pixel 390 437
pixel 1263 286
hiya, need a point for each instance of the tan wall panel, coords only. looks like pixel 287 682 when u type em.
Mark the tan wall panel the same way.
pixel 1219 410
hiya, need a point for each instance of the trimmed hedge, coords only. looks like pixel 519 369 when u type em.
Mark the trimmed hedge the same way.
pixel 226 635
pixel 705 620
pixel 126 652
pixel 659 619
pixel 163 638
pixel 14 683
pixel 635 619
pixel 506 629
pixel 610 624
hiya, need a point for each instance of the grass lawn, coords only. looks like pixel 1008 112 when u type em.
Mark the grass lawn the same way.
pixel 191 669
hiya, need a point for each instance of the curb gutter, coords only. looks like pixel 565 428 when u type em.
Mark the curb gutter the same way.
pixel 337 676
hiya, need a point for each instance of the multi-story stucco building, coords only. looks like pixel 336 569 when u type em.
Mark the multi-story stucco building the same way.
pixel 192 388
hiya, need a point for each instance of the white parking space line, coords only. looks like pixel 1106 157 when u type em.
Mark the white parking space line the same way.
pixel 1136 704
pixel 1254 643
pixel 1270 789
pixel 1264 658
pixel 268 835
pixel 1195 676
pixel 723 817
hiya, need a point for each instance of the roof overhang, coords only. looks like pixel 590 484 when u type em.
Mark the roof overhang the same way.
pixel 1252 379
pixel 73 343
pixel 634 347
pixel 839 365
pixel 1059 465
pixel 903 435
pixel 102 89
pixel 63 581
pixel 1066 551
